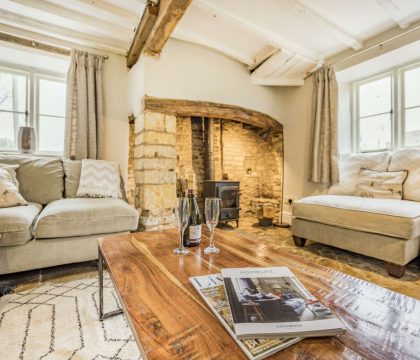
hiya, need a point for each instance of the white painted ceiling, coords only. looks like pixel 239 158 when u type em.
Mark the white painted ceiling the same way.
pixel 282 40
pixel 279 40
pixel 106 25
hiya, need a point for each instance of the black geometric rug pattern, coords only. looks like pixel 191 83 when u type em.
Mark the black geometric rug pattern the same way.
pixel 59 320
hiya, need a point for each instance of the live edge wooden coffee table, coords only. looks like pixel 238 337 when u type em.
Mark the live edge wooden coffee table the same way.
pixel 170 321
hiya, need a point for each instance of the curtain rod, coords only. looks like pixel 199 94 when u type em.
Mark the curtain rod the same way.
pixel 36 44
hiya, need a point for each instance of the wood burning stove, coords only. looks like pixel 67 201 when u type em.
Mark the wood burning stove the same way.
pixel 228 192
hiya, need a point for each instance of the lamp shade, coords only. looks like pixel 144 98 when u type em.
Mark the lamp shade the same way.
pixel 26 140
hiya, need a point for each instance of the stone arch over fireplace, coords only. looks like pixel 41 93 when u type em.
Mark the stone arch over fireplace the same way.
pixel 160 148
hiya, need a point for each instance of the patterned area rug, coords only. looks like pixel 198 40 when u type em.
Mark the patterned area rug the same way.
pixel 59 320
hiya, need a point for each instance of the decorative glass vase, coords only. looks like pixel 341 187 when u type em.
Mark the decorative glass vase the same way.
pixel 26 140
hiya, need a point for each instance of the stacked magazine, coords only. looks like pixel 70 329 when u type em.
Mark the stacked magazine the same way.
pixel 265 309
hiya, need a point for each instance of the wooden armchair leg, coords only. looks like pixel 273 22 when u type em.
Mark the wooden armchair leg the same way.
pixel 395 270
pixel 300 242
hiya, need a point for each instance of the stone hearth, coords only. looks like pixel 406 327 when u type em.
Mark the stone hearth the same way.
pixel 170 150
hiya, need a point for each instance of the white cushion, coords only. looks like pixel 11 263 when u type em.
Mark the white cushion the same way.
pixel 381 184
pixel 99 178
pixel 408 159
pixel 397 218
pixel 9 193
pixel 350 169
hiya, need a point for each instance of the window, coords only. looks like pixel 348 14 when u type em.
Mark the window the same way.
pixel 36 99
pixel 411 106
pixel 375 114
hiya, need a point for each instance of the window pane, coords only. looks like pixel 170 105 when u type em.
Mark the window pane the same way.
pixel 12 92
pixel 9 125
pixel 412 87
pixel 52 97
pixel 412 126
pixel 51 134
pixel 375 97
pixel 375 132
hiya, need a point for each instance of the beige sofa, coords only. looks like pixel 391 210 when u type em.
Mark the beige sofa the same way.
pixel 56 227
pixel 385 229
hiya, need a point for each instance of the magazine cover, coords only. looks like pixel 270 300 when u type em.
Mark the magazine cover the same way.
pixel 271 302
pixel 212 290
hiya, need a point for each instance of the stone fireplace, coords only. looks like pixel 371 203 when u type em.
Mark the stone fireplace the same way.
pixel 171 154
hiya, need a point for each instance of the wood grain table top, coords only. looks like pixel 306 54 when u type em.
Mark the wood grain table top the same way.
pixel 170 320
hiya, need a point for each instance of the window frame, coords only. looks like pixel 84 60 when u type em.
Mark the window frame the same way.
pixel 397 112
pixel 356 115
pixel 402 108
pixel 33 75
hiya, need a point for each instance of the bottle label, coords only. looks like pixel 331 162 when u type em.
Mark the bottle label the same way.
pixel 195 234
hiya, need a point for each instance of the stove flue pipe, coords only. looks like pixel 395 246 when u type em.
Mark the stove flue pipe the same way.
pixel 209 150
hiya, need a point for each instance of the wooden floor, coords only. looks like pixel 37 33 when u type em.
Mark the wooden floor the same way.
pixel 356 265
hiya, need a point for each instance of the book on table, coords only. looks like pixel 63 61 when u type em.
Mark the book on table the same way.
pixel 211 289
pixel 271 302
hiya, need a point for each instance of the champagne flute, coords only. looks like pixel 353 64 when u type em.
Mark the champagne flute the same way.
pixel 212 211
pixel 182 213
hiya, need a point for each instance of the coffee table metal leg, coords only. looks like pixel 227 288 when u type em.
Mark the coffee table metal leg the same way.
pixel 103 316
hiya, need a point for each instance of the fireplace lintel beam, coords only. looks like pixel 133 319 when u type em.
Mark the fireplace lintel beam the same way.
pixel 212 110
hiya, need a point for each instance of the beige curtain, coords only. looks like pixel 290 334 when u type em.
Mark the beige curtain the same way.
pixel 84 107
pixel 323 155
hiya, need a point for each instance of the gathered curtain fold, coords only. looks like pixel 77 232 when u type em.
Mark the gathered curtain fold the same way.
pixel 84 107
pixel 323 167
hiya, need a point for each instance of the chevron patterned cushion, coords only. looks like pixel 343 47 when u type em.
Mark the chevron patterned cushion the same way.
pixel 99 178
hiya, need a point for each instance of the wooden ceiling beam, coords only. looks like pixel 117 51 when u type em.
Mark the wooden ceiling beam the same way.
pixel 259 31
pixel 155 28
pixel 392 9
pixel 112 9
pixel 143 31
pixel 47 35
pixel 103 26
pixel 213 110
pixel 321 23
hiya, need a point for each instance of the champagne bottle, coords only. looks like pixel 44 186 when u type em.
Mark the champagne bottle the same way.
pixel 192 234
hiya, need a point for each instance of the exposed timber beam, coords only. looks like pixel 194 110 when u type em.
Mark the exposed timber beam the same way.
pixel 392 9
pixel 143 31
pixel 256 30
pixel 72 43
pixel 213 110
pixel 112 9
pixel 151 41
pixel 277 81
pixel 92 22
pixel 321 23
pixel 39 26
pixel 262 56
pixel 214 45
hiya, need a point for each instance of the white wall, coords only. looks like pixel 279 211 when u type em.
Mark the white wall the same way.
pixel 115 83
pixel 193 72
pixel 296 119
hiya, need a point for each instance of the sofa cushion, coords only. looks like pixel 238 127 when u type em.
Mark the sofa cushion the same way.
pixel 397 218
pixel 350 168
pixel 72 170
pixel 9 193
pixel 85 216
pixel 408 159
pixel 381 184
pixel 41 179
pixel 16 224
